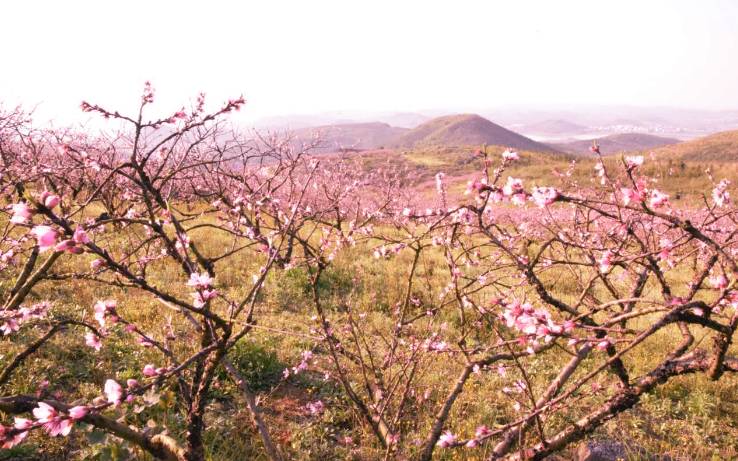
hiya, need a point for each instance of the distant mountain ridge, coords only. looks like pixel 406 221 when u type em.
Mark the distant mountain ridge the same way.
pixel 446 131
pixel 553 127
pixel 543 124
pixel 295 122
pixel 352 136
pixel 465 130
pixel 616 143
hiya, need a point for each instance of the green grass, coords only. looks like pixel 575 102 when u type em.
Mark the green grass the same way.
pixel 681 175
pixel 689 416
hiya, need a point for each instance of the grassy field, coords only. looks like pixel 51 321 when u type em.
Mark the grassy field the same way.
pixel 686 180
pixel 688 418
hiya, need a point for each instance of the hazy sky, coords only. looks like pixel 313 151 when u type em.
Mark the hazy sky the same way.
pixel 315 56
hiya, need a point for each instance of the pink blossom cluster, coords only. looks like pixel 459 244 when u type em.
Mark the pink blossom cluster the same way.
pixel 513 189
pixel 22 213
pixel 306 357
pixel 384 251
pixel 536 323
pixel 510 155
pixel 55 423
pixel 11 321
pixel 105 311
pixel 544 196
pixel 720 194
pixel 203 284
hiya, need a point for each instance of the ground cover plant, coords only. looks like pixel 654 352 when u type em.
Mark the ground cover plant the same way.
pixel 173 290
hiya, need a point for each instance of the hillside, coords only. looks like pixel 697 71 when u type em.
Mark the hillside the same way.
pixel 359 136
pixel 465 130
pixel 718 147
pixel 616 143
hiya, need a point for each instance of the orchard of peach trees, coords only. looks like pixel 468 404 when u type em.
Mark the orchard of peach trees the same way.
pixel 508 324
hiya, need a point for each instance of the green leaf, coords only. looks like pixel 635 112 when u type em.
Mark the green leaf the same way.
pixel 96 436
